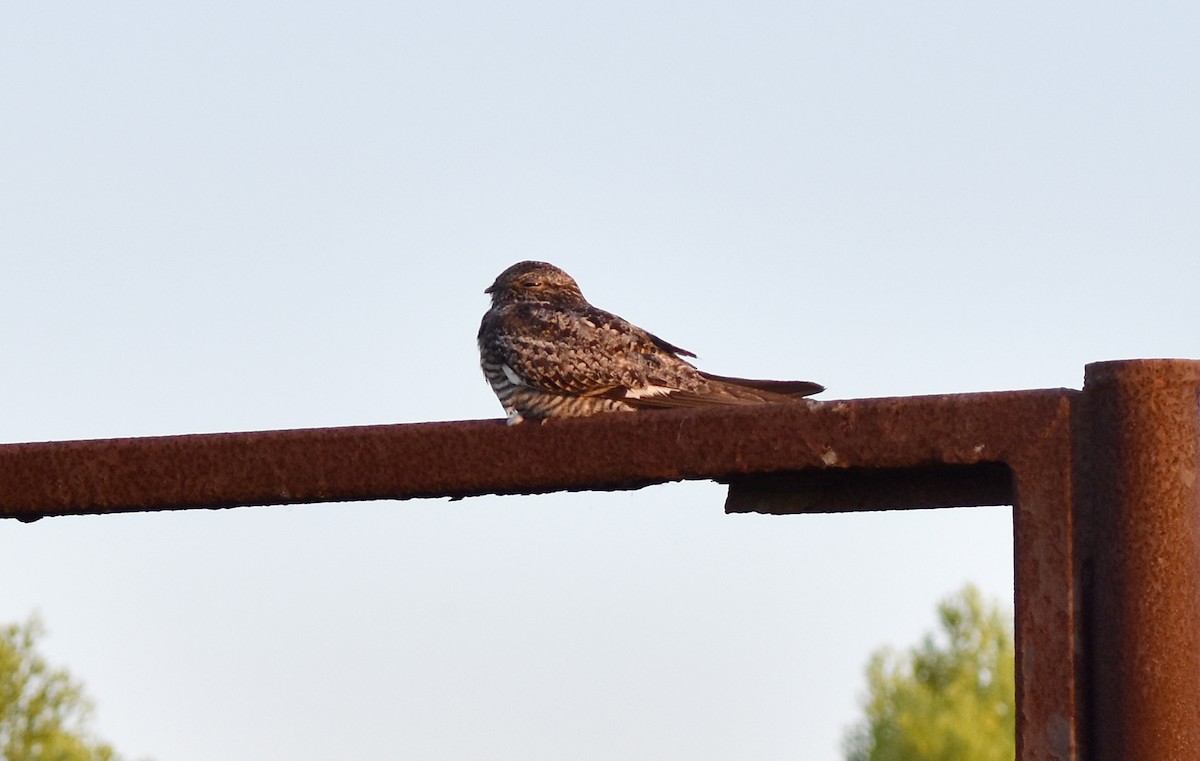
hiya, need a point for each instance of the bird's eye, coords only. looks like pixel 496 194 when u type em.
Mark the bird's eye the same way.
pixel 531 283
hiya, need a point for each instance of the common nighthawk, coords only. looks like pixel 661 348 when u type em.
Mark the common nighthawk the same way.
pixel 548 353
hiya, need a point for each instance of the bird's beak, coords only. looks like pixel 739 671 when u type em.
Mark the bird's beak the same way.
pixel 490 289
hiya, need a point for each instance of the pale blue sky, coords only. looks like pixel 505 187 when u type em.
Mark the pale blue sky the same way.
pixel 231 216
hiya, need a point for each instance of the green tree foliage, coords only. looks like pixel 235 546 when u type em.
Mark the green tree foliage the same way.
pixel 43 712
pixel 951 698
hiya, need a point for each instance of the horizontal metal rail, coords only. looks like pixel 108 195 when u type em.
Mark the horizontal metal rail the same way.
pixel 461 459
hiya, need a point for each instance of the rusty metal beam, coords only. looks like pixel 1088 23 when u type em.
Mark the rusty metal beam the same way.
pixel 860 488
pixel 1140 560
pixel 458 459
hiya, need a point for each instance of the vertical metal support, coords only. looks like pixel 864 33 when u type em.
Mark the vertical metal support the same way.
pixel 1048 698
pixel 1139 436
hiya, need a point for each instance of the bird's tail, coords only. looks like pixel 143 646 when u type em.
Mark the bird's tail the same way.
pixel 751 390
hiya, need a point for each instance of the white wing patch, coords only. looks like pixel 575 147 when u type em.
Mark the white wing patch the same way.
pixel 639 393
pixel 513 378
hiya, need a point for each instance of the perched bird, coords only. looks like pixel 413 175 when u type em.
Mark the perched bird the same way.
pixel 548 353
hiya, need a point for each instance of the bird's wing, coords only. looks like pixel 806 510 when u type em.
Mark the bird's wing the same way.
pixel 723 390
pixel 587 352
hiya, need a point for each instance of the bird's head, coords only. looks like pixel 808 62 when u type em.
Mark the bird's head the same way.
pixel 534 283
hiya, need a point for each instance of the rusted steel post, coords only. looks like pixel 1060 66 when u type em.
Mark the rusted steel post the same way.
pixel 1140 541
